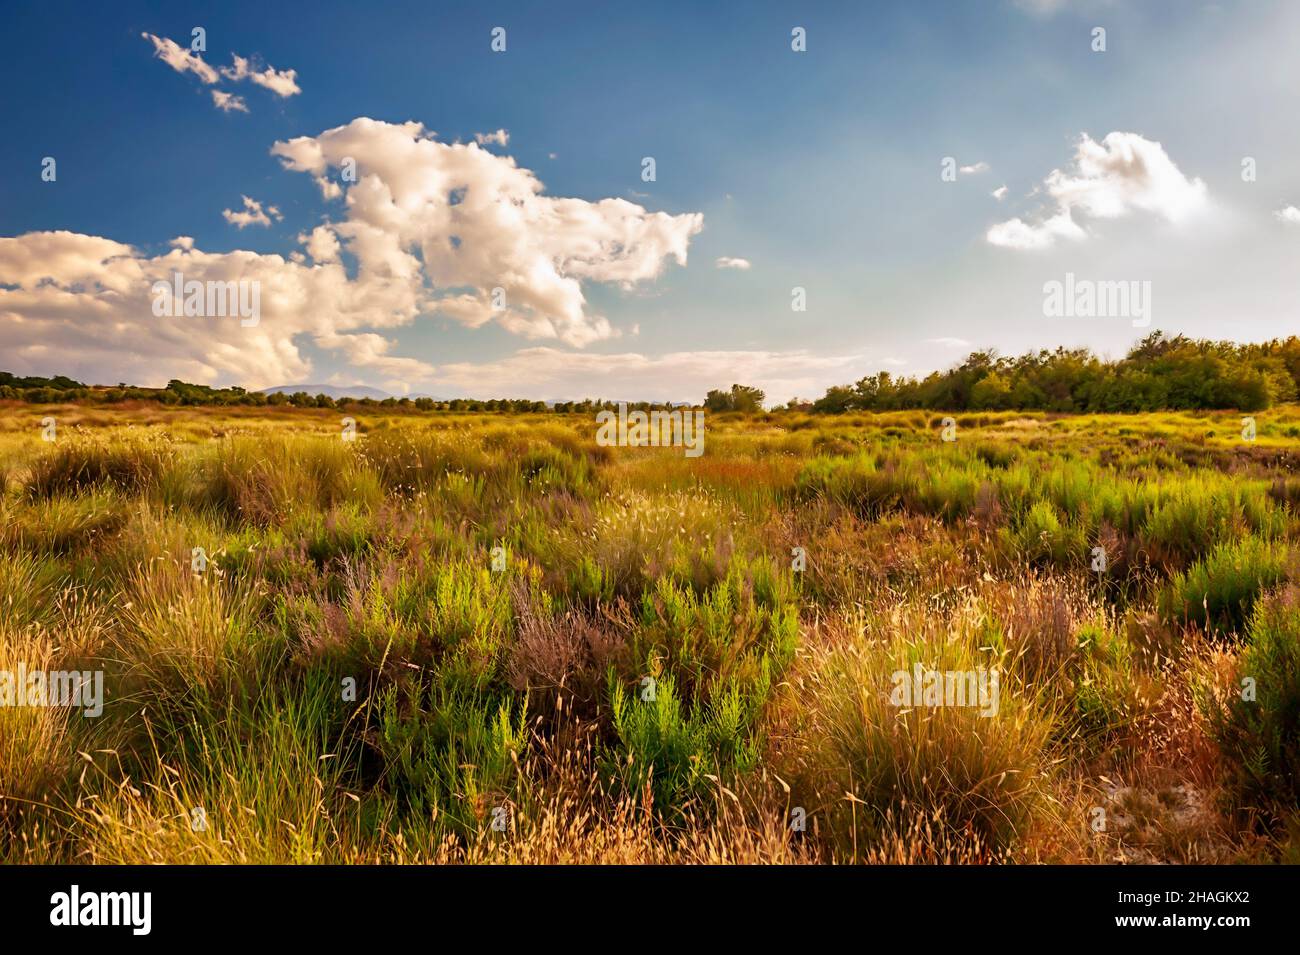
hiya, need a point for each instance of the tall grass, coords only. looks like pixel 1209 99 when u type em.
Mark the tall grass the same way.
pixel 485 638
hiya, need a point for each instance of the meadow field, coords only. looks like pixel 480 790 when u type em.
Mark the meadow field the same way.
pixel 485 638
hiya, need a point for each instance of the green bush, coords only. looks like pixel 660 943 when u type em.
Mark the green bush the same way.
pixel 671 749
pixel 451 752
pixel 1261 736
pixel 1220 590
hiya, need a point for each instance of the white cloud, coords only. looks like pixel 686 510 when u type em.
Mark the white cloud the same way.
pixel 329 189
pixel 1018 234
pixel 728 262
pixel 82 304
pixel 678 376
pixel 999 193
pixel 283 83
pixel 948 342
pixel 499 138
pixel 322 244
pixel 228 102
pixel 1122 174
pixel 180 59
pixel 1290 215
pixel 480 222
pixel 252 214
pixel 974 169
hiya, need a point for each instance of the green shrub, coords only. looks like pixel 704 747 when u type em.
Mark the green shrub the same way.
pixel 1042 539
pixel 451 752
pixel 1219 591
pixel 1261 736
pixel 671 749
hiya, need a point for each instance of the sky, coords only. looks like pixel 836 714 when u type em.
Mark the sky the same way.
pixel 425 214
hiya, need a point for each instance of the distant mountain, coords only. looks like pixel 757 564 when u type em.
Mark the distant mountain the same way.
pixel 350 391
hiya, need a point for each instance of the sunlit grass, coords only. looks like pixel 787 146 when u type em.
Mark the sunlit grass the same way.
pixel 397 638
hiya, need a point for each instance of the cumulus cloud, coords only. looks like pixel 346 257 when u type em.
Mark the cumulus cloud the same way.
pixel 480 222
pixel 1019 234
pixel 1115 177
pixel 283 83
pixel 329 189
pixel 1290 215
pixel 429 228
pixel 728 262
pixel 322 244
pixel 228 102
pixel 84 304
pixel 999 193
pixel 499 138
pixel 974 169
pixel 252 214
pixel 180 59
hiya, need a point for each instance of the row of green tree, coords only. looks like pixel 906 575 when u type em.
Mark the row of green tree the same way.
pixel 1159 373
pixel 37 390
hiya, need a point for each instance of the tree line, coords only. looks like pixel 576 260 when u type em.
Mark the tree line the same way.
pixel 38 390
pixel 1159 373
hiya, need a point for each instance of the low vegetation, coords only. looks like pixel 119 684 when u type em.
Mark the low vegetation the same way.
pixel 469 638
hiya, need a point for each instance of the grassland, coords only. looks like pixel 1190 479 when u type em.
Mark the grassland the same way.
pixel 453 620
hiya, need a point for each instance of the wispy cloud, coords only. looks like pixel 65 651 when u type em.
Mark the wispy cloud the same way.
pixel 228 102
pixel 180 59
pixel 283 83
pixel 728 262
pixel 1290 215
pixel 500 138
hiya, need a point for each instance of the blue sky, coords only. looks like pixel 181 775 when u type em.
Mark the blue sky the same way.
pixel 819 169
